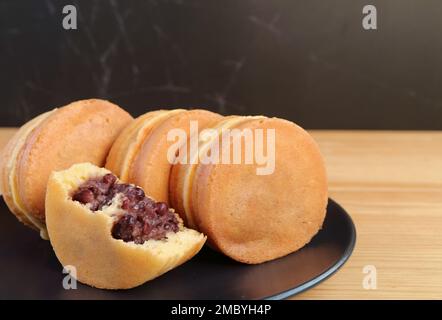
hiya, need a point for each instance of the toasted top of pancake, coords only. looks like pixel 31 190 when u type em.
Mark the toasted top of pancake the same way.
pixel 255 218
pixel 81 131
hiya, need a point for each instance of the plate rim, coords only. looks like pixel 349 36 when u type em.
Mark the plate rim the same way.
pixel 329 271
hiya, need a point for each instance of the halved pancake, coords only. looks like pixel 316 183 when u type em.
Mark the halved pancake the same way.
pixel 116 245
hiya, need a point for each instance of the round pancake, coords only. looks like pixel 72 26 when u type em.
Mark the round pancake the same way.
pixel 81 131
pixel 255 218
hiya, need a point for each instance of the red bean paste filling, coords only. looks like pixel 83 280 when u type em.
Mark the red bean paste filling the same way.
pixel 143 218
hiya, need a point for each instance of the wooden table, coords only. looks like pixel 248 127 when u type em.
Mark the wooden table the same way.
pixel 391 184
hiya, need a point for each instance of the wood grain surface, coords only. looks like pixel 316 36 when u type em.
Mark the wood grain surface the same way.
pixel 391 184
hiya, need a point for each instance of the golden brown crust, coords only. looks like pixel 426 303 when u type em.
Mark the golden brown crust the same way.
pixel 255 218
pixel 82 239
pixel 151 168
pixel 81 131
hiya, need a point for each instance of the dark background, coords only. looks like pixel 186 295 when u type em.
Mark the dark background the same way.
pixel 309 61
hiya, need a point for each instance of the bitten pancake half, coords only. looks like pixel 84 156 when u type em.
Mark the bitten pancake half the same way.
pixel 81 131
pixel 140 153
pixel 252 217
pixel 112 233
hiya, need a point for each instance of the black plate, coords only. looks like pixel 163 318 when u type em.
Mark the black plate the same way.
pixel 30 270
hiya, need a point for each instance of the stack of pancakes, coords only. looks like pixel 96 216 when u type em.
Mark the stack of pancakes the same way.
pixel 249 217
